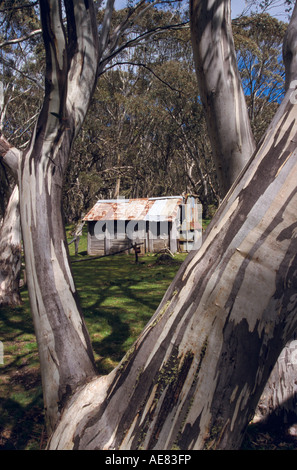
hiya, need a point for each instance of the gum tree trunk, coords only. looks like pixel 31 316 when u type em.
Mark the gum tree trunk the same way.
pixel 278 404
pixel 231 137
pixel 220 88
pixel 65 351
pixel 10 230
pixel 10 253
pixel 10 234
pixel 194 377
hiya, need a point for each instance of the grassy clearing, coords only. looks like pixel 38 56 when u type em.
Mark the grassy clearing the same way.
pixel 120 298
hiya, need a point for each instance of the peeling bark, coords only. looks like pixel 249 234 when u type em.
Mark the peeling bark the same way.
pixel 10 253
pixel 64 345
pixel 220 89
pixel 233 302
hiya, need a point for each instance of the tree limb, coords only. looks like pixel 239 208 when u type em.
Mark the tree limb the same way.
pixel 290 50
pixel 21 39
pixel 139 64
pixel 19 7
pixel 10 155
pixel 112 52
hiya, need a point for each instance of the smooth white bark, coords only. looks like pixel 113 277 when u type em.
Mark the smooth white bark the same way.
pixel 10 252
pixel 64 345
pixel 220 89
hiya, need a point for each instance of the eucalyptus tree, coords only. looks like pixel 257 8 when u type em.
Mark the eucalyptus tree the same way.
pixel 197 371
pixel 263 35
pixel 142 126
pixel 74 57
pixel 180 111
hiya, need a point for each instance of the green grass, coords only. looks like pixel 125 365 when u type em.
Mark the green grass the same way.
pixel 118 301
pixel 21 403
pixel 118 298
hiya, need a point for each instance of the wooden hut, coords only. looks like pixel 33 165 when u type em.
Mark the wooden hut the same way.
pixel 151 223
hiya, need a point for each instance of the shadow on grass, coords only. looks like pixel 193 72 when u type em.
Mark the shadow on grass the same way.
pixel 109 334
pixel 21 403
pixel 117 297
pixel 22 427
pixel 118 301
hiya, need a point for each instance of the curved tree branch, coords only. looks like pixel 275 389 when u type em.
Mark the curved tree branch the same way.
pixel 10 155
pixel 64 345
pixel 37 32
pixel 113 50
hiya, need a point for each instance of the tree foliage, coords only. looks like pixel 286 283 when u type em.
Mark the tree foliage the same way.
pixel 21 77
pixel 145 133
pixel 258 40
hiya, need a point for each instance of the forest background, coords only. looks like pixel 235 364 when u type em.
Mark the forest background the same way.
pixel 145 134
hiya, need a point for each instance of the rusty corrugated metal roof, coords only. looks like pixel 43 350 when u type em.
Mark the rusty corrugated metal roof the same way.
pixel 153 209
